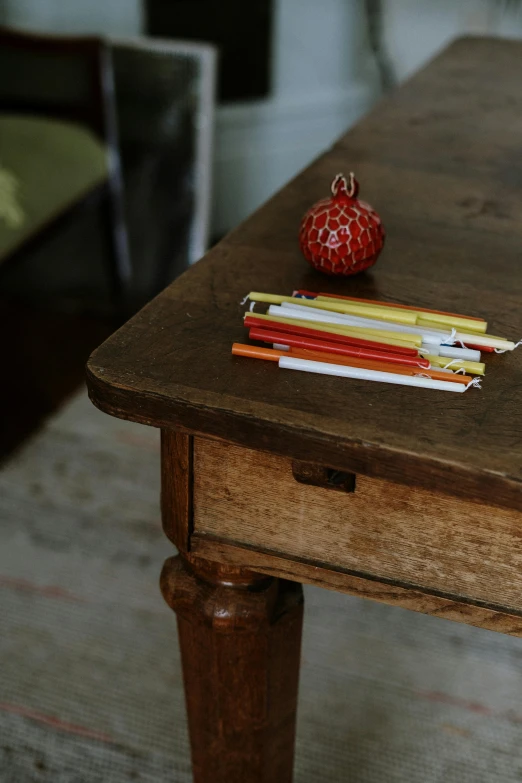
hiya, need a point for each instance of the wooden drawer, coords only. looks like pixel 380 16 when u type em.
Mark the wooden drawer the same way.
pixel 408 537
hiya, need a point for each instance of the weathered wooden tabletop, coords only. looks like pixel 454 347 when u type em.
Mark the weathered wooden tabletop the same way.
pixel 441 161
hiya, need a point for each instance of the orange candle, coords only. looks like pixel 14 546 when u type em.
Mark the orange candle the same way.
pixel 270 354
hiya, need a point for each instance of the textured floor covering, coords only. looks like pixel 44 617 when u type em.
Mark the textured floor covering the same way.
pixel 90 686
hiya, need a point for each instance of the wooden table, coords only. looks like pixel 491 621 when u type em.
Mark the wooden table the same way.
pixel 251 454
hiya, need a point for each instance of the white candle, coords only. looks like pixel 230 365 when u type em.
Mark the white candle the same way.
pixel 308 315
pixel 365 321
pixel 485 340
pixel 323 368
pixel 465 354
pixel 433 337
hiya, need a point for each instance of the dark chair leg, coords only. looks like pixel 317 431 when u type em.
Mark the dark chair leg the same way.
pixel 119 262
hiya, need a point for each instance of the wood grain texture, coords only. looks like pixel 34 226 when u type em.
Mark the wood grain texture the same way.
pixel 445 607
pixel 408 537
pixel 240 639
pixel 440 160
pixel 176 487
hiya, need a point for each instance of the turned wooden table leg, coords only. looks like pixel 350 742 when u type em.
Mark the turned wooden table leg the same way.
pixel 240 639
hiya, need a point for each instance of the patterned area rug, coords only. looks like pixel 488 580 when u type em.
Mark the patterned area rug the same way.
pixel 90 682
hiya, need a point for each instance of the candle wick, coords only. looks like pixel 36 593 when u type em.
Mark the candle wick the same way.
pixel 501 350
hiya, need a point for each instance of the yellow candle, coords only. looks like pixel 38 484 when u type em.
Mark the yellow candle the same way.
pixel 336 306
pixel 411 340
pixel 473 368
pixel 443 321
pixel 428 319
pixel 380 335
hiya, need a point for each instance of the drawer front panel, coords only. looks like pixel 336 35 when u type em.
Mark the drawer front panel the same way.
pixel 383 530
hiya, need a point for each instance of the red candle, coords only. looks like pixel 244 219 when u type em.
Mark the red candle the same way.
pixel 304 331
pixel 314 344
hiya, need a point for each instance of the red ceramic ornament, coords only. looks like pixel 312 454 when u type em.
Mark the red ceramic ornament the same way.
pixel 341 235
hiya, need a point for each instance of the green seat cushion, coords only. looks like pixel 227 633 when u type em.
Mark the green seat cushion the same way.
pixel 46 166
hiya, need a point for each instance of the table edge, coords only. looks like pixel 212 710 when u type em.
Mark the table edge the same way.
pixel 374 460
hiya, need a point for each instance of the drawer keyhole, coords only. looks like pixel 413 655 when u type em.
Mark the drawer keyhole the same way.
pixel 319 476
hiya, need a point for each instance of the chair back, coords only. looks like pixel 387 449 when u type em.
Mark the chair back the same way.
pixel 67 78
pixel 165 96
pixel 70 78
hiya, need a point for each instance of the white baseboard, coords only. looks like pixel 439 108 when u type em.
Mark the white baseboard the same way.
pixel 260 146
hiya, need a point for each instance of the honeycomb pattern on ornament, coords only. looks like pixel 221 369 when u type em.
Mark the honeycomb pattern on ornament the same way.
pixel 343 238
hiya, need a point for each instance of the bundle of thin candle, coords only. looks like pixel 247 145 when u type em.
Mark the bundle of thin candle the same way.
pixel 370 340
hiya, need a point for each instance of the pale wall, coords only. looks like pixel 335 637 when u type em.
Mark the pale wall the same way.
pixel 108 17
pixel 324 77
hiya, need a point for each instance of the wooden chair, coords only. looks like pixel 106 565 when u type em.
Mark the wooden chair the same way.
pixel 58 144
pixel 165 103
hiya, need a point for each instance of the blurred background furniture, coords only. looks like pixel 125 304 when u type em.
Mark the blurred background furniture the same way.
pixel 58 144
pixel 165 94
pixel 104 112
pixel 64 262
